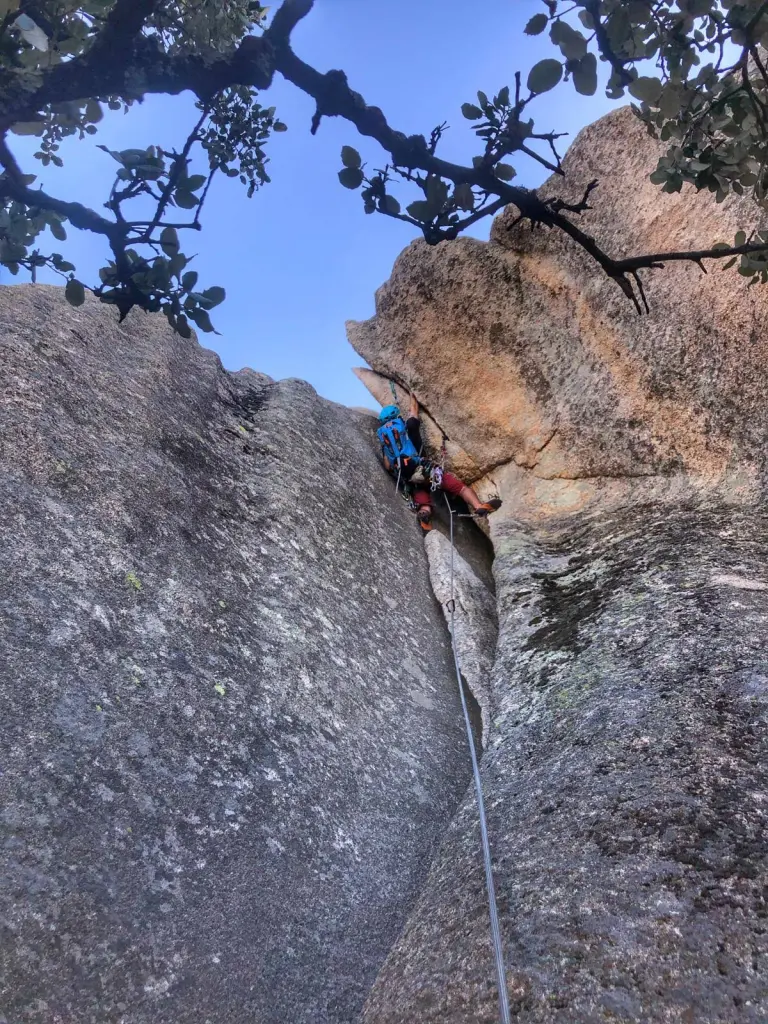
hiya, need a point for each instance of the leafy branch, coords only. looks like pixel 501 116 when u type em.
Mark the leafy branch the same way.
pixel 59 68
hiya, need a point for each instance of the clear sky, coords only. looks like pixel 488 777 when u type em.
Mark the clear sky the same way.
pixel 301 257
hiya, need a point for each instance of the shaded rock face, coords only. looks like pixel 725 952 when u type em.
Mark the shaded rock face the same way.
pixel 476 629
pixel 625 771
pixel 626 780
pixel 231 732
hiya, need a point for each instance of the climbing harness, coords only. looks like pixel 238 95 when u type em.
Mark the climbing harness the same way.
pixel 439 471
pixel 498 950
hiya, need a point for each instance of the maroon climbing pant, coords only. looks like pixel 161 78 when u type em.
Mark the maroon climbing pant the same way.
pixel 422 495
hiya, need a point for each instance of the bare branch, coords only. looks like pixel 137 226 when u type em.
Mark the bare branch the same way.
pixel 290 13
pixel 180 162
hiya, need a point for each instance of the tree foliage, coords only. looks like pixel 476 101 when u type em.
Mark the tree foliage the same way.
pixel 694 69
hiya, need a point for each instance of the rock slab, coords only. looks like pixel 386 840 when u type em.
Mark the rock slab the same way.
pixel 228 753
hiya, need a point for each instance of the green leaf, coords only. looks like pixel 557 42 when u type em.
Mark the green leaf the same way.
pixel 670 100
pixel 93 112
pixel 390 204
pixel 545 75
pixel 27 128
pixel 189 280
pixel 203 321
pixel 464 197
pixel 536 25
pixel 585 75
pixel 504 171
pixel 572 43
pixel 503 97
pixel 730 263
pixel 74 293
pixel 195 182
pixel 220 689
pixel 350 158
pixel 279 126
pixel 647 90
pixel 185 199
pixel 169 240
pixel 351 177
pixel 471 112
pixel 420 210
pixel 741 238
pixel 61 264
pixel 57 230
pixel 133 157
pixel 214 296
pixel 177 264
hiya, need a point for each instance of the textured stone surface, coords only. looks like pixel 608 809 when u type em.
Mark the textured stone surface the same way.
pixel 625 775
pixel 528 355
pixel 475 624
pixel 231 734
pixel 626 785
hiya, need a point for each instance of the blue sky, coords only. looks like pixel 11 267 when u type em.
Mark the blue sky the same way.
pixel 301 257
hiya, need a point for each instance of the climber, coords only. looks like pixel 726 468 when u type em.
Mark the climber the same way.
pixel 401 449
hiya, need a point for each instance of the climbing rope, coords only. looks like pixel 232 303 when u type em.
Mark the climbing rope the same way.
pixel 498 951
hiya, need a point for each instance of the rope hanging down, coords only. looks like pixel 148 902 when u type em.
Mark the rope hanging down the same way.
pixel 498 951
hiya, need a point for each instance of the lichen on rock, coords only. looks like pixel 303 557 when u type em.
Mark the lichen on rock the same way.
pixel 231 745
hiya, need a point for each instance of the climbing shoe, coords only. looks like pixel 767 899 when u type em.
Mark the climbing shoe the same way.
pixel 424 515
pixel 487 507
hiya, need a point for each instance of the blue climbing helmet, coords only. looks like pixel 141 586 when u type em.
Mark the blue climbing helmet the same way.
pixel 389 412
pixel 393 437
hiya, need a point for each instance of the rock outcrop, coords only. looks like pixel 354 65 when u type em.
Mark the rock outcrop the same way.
pixel 625 771
pixel 234 783
pixel 231 732
pixel 534 362
pixel 476 628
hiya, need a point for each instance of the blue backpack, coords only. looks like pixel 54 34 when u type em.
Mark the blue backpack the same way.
pixel 395 442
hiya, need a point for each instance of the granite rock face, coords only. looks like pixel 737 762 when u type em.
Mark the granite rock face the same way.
pixel 231 732
pixel 625 778
pixel 476 628
pixel 531 358
pixel 625 773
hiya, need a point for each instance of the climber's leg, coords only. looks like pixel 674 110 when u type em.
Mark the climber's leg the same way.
pixel 459 489
pixel 423 501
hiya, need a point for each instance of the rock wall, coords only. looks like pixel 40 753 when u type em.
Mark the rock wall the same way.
pixel 231 732
pixel 625 780
pixel 625 771
pixel 536 365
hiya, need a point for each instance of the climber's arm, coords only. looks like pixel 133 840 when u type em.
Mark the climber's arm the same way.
pixel 387 463
pixel 413 411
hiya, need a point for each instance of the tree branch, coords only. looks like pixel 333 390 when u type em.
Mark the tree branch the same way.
pixel 132 71
pixel 78 215
pixel 124 23
pixel 290 13
pixel 604 43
